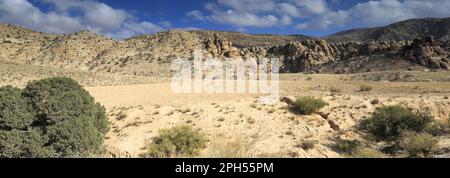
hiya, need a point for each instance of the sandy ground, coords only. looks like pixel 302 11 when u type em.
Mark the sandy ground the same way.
pixel 138 112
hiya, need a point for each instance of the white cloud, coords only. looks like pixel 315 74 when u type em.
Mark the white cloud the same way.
pixel 249 5
pixel 380 13
pixel 258 13
pixel 337 18
pixel 24 13
pixel 196 14
pixel 289 9
pixel 313 6
pixel 92 15
pixel 244 19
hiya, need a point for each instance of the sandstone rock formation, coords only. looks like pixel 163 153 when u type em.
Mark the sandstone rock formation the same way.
pixel 150 55
pixel 427 52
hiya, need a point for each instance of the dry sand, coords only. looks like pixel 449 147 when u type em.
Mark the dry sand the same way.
pixel 138 112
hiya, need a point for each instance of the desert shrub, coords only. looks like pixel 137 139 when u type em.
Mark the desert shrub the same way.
pixel 308 144
pixel 417 144
pixel 233 148
pixel 52 117
pixel 308 105
pixel 348 146
pixel 375 102
pixel 388 123
pixel 180 141
pixel 365 88
pixel 438 127
pixel 335 90
pixel 23 144
pixel 366 153
pixel 14 111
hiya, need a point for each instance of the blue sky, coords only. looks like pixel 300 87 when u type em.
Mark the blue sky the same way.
pixel 123 19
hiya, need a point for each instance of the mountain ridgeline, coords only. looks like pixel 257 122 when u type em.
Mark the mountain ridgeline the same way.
pixel 401 31
pixel 410 45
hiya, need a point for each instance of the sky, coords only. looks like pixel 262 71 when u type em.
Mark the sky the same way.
pixel 122 19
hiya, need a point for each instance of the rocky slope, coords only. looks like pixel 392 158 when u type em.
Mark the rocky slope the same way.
pixel 150 55
pixel 319 56
pixel 401 31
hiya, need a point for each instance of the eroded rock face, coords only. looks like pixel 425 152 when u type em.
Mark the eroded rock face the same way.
pixel 149 55
pixel 427 52
pixel 350 57
pixel 301 56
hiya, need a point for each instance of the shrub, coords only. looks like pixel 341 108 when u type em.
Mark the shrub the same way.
pixel 375 102
pixel 178 141
pixel 23 144
pixel 437 128
pixel 335 90
pixel 14 111
pixel 308 105
pixel 348 146
pixel 366 153
pixel 52 117
pixel 233 148
pixel 417 144
pixel 365 88
pixel 388 123
pixel 308 144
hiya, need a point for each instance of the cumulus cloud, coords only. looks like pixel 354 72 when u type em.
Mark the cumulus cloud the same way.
pixel 196 14
pixel 313 6
pixel 91 15
pixel 380 12
pixel 258 13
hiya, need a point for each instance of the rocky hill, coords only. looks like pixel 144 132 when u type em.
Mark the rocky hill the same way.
pixel 402 31
pixel 242 40
pixel 150 55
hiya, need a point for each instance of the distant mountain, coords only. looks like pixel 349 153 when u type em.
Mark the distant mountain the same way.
pixel 400 31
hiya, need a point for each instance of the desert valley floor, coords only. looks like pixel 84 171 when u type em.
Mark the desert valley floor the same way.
pixel 138 107
pixel 137 112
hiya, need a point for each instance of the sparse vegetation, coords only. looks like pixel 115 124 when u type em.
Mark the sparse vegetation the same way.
pixel 438 127
pixel 375 102
pixel 52 117
pixel 388 123
pixel 348 146
pixel 365 88
pixel 366 153
pixel 235 148
pixel 308 145
pixel 417 144
pixel 180 141
pixel 335 90
pixel 308 105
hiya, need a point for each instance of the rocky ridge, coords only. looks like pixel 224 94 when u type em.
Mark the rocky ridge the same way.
pixel 150 55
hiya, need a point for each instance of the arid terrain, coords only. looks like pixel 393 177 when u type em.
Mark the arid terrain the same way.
pixel 131 78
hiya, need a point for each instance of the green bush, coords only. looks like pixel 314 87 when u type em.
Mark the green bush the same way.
pixel 14 111
pixel 308 105
pixel 388 123
pixel 23 144
pixel 180 141
pixel 52 117
pixel 348 146
pixel 365 88
pixel 417 144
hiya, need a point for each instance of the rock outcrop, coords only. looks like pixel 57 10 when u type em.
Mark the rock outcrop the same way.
pixel 427 52
pixel 150 55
